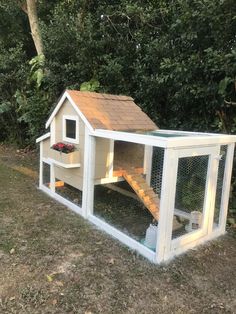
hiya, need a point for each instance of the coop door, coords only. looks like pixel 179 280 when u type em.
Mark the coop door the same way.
pixel 194 195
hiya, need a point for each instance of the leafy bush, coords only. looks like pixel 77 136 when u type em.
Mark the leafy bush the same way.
pixel 177 59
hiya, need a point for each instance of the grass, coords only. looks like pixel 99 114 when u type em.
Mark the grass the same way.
pixel 63 264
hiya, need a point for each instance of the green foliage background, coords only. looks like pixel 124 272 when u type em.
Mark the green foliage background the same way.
pixel 176 58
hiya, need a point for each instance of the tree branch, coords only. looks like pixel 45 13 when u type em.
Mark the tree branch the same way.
pixel 24 8
pixel 34 25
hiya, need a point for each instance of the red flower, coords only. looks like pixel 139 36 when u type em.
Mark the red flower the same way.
pixel 64 148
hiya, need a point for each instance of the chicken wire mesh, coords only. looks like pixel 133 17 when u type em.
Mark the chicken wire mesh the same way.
pixel 190 194
pixel 157 169
pixel 191 183
pixel 46 174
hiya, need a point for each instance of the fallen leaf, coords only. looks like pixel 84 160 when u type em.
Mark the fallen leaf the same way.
pixel 49 278
pixel 112 261
pixel 80 254
pixel 59 283
pixel 54 302
pixel 12 251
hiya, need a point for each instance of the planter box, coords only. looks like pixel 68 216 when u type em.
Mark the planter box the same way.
pixel 70 158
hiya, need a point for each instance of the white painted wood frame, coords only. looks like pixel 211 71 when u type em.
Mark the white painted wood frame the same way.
pixel 76 108
pixel 89 170
pixel 226 187
pixel 182 243
pixel 111 158
pixel 165 142
pixel 61 164
pixel 43 137
pixel 41 164
pixel 169 175
pixel 52 178
pixel 53 132
pixel 123 238
pixel 64 137
pixel 75 208
pixel 147 163
pixel 51 190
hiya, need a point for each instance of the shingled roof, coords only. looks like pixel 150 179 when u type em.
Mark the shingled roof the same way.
pixel 111 112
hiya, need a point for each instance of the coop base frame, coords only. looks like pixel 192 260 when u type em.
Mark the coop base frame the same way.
pixel 125 239
pixel 163 252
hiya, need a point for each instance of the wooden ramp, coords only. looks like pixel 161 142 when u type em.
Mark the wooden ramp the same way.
pixel 145 193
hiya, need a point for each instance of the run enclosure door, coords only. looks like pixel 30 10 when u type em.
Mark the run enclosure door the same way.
pixel 194 189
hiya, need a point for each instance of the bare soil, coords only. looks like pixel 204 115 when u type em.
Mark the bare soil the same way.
pixel 53 261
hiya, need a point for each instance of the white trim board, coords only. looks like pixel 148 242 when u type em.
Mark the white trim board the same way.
pixel 193 245
pixel 62 200
pixel 64 137
pixel 43 137
pixel 61 164
pixel 226 186
pixel 108 180
pixel 53 132
pixel 180 132
pixel 123 238
pixel 126 240
pixel 58 106
pixel 165 142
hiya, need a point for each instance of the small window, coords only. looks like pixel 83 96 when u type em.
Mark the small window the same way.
pixel 71 129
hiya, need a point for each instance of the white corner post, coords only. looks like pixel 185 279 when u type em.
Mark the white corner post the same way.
pixel 53 132
pixel 226 187
pixel 210 193
pixel 41 164
pixel 89 170
pixel 111 158
pixel 147 163
pixel 52 177
pixel 167 202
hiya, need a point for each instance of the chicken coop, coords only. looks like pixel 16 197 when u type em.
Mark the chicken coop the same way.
pixel 159 192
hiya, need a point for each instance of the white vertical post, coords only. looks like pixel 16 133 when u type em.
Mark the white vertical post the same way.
pixel 147 162
pixel 53 132
pixel 167 203
pixel 41 164
pixel 52 177
pixel 88 180
pixel 111 158
pixel 226 187
pixel 210 193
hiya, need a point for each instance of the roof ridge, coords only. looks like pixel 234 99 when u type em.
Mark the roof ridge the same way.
pixel 101 95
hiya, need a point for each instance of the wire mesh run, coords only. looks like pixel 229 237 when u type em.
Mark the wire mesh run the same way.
pixel 190 194
pixel 69 192
pixel 46 174
pixel 191 182
pixel 157 169
pixel 123 196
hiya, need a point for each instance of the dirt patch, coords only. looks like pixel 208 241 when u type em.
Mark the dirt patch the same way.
pixel 53 261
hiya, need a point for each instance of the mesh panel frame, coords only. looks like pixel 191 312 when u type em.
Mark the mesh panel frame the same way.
pixel 220 182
